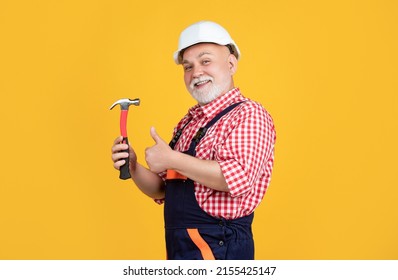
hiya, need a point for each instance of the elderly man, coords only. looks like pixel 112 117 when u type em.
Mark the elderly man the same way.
pixel 218 165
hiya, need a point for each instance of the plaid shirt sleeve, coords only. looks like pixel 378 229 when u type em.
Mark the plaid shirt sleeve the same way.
pixel 247 149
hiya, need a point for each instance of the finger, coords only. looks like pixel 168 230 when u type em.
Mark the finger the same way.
pixel 118 164
pixel 118 140
pixel 119 156
pixel 155 136
pixel 117 148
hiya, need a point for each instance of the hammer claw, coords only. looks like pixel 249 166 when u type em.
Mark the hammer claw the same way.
pixel 125 103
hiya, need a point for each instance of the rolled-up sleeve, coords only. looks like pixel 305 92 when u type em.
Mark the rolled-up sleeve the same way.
pixel 247 148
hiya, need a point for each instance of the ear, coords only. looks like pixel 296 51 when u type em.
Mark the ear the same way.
pixel 232 64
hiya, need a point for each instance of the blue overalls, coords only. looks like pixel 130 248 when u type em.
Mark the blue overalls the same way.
pixel 191 233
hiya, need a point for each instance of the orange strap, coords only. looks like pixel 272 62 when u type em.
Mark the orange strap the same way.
pixel 172 174
pixel 204 248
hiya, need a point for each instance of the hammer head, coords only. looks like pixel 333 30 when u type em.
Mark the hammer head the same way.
pixel 125 103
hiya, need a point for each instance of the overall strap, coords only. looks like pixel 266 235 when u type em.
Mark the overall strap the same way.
pixel 202 131
pixel 177 136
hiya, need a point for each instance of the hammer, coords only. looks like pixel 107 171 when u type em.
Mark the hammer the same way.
pixel 124 106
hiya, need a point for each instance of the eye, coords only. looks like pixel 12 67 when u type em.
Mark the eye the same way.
pixel 205 61
pixel 187 68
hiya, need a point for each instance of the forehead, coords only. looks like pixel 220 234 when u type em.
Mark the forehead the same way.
pixel 198 50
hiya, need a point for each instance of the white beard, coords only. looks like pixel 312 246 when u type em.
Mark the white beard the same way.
pixel 208 94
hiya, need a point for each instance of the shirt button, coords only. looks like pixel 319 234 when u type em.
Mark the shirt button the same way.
pixel 221 243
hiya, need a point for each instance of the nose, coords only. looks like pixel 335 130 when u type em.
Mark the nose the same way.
pixel 197 71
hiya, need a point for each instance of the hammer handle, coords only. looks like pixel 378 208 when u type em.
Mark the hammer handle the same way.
pixel 124 169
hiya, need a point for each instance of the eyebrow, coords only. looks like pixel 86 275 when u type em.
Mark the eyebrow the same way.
pixel 199 56
pixel 203 53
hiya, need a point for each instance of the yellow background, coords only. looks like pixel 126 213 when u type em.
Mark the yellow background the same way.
pixel 325 70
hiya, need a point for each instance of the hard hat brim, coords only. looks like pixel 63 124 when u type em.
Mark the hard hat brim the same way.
pixel 235 50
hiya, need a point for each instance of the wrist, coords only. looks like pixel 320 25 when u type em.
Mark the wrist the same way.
pixel 174 160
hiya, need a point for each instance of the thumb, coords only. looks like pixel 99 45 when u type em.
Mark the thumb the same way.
pixel 155 136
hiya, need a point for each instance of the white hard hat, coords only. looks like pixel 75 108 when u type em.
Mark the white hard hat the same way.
pixel 204 32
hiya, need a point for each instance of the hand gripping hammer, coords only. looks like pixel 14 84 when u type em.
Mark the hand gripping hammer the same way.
pixel 124 106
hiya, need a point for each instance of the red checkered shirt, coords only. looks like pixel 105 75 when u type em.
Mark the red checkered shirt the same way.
pixel 242 142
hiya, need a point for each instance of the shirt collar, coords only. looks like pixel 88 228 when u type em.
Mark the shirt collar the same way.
pixel 211 109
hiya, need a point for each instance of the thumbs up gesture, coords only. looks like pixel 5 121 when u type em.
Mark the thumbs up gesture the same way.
pixel 158 157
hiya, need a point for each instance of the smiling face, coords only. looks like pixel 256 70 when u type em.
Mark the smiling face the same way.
pixel 208 71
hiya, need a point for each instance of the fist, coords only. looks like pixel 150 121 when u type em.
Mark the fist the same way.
pixel 119 154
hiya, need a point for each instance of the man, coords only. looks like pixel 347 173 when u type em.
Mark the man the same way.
pixel 216 169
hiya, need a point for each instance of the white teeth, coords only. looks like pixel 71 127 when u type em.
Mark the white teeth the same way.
pixel 201 83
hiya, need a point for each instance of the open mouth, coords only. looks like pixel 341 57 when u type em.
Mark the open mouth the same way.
pixel 201 83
